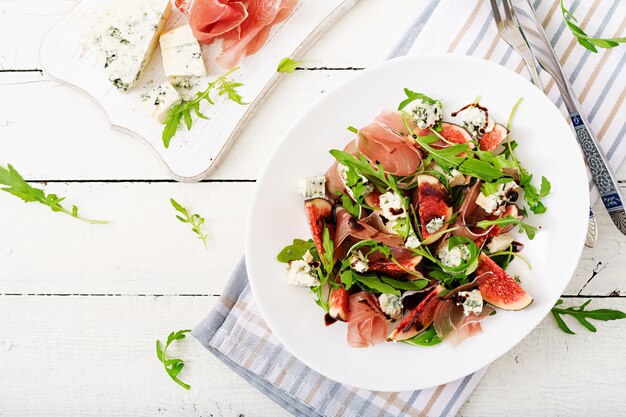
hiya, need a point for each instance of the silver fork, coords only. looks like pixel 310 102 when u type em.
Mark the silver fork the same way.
pixel 510 31
pixel 512 34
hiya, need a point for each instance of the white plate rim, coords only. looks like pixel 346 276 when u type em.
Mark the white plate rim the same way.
pixel 248 245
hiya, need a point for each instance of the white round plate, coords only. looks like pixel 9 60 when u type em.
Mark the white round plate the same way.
pixel 546 147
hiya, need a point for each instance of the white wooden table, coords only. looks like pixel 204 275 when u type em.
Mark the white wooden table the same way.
pixel 81 305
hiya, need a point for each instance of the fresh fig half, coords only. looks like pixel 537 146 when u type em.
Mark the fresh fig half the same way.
pixel 320 213
pixel 338 304
pixel 418 319
pixel 489 141
pixel 453 134
pixel 433 202
pixel 511 210
pixel 500 290
pixel 407 267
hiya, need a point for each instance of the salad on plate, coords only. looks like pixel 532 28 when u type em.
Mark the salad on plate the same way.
pixel 414 225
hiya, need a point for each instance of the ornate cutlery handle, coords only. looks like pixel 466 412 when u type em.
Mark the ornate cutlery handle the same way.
pixel 602 176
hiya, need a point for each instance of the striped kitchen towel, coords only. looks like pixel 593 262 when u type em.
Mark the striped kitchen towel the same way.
pixel 235 332
pixel 599 79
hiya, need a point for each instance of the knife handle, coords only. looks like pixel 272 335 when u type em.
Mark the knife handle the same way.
pixel 600 172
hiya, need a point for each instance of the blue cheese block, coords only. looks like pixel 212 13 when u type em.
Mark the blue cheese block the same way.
pixel 181 53
pixel 160 100
pixel 126 33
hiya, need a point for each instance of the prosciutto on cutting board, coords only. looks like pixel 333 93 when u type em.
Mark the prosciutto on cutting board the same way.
pixel 243 25
pixel 366 325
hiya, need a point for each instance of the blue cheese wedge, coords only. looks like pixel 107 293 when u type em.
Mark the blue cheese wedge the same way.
pixel 182 57
pixel 160 100
pixel 303 272
pixel 391 306
pixel 126 33
pixel 314 187
pixel 473 303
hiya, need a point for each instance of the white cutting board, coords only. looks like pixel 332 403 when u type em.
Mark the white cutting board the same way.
pixel 67 57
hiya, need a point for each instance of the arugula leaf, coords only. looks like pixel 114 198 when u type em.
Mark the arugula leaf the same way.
pixel 480 169
pixel 296 250
pixel 489 188
pixel 588 42
pixel 583 316
pixel 405 285
pixel 353 129
pixel 182 111
pixel 16 185
pixel 509 220
pixel 324 273
pixel 288 65
pixel 427 338
pixel 412 96
pixel 348 204
pixel 195 220
pixel 370 282
pixel 172 366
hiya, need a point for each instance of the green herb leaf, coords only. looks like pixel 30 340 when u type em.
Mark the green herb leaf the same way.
pixel 353 129
pixel 480 169
pixel 296 250
pixel 372 283
pixel 288 65
pixel 182 111
pixel 582 316
pixel 13 183
pixel 509 220
pixel 427 338
pixel 411 96
pixel 405 285
pixel 172 366
pixel 588 42
pixel 195 220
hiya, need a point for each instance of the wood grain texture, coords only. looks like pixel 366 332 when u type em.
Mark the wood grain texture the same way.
pixel 94 356
pixel 75 355
pixel 70 59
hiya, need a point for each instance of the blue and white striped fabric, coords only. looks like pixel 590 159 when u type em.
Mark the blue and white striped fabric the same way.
pixel 235 332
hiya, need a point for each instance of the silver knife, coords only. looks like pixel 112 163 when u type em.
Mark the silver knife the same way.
pixel 600 172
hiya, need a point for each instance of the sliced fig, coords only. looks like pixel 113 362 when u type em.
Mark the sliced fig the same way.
pixel 338 304
pixel 407 267
pixel 495 230
pixel 320 214
pixel 500 290
pixel 433 202
pixel 418 319
pixel 489 141
pixel 372 199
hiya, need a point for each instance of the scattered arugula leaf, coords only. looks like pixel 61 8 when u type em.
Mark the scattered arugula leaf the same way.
pixel 480 169
pixel 411 96
pixel 296 250
pixel 14 184
pixel 348 203
pixel 195 220
pixel 405 285
pixel 325 271
pixel 588 42
pixel 372 283
pixel 288 65
pixel 489 188
pixel 427 338
pixel 353 129
pixel 582 315
pixel 172 366
pixel 182 111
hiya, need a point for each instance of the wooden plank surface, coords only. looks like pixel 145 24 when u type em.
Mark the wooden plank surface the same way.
pixel 87 347
pixel 94 356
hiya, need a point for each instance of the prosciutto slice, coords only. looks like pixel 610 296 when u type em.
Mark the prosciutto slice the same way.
pixel 452 324
pixel 254 31
pixel 210 19
pixel 349 227
pixel 470 213
pixel 384 141
pixel 366 324
pixel 334 182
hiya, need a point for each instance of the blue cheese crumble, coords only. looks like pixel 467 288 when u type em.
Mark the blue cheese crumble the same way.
pixel 391 306
pixel 425 114
pixel 412 242
pixel 455 256
pixel 314 187
pixel 475 119
pixel 494 203
pixel 303 272
pixel 391 206
pixel 358 262
pixel 435 224
pixel 343 172
pixel 473 302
